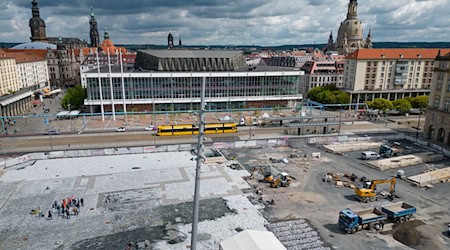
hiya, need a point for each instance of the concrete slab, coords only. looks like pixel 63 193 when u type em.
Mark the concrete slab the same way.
pixel 405 160
pixel 431 177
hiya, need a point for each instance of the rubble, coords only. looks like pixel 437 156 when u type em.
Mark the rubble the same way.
pixel 297 234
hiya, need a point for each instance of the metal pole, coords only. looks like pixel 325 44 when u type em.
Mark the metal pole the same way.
pixel 113 108
pixel 70 117
pixel 418 124
pixel 200 158
pixel 100 87
pixel 123 88
pixel 340 116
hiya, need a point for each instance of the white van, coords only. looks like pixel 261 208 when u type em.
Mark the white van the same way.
pixel 369 155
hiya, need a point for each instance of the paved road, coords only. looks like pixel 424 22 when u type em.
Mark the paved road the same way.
pixel 114 139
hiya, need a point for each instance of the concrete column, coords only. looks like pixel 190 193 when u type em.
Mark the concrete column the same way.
pixel 389 96
pixel 8 110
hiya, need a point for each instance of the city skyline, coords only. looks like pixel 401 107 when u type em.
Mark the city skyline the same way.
pixel 263 23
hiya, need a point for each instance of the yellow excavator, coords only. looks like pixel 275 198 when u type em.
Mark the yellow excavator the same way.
pixel 368 191
pixel 281 180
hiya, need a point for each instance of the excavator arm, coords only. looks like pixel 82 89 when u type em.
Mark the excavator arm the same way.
pixel 393 181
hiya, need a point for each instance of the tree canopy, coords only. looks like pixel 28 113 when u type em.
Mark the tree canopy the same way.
pixel 328 95
pixel 75 97
pixel 402 105
pixel 381 104
pixel 420 102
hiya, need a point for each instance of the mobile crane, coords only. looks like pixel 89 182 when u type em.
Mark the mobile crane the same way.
pixel 366 193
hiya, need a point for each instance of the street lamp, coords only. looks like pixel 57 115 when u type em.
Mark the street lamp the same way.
pixel 70 118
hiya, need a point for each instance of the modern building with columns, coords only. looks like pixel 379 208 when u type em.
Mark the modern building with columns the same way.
pixel 389 73
pixel 16 104
pixel 170 80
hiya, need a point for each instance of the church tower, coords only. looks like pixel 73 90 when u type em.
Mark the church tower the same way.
pixel 94 35
pixel 37 25
pixel 170 41
pixel 350 34
pixel 330 45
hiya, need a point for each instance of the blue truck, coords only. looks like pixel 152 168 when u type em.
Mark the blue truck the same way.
pixel 399 212
pixel 375 218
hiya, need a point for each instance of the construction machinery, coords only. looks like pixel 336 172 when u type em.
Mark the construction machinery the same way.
pixel 368 191
pixel 281 180
pixel 375 218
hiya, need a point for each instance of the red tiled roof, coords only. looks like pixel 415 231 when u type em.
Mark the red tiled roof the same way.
pixel 382 54
pixel 25 55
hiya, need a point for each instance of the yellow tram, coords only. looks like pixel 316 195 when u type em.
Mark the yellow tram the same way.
pixel 189 129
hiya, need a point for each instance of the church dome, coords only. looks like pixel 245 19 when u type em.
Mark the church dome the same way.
pixel 352 28
pixel 37 21
pixel 35 45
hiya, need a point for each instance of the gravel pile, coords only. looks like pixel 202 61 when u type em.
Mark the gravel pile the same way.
pixel 297 234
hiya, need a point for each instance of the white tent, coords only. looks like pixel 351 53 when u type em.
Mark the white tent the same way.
pixel 252 240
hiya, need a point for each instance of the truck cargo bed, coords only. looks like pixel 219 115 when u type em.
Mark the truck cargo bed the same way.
pixel 398 209
pixel 370 215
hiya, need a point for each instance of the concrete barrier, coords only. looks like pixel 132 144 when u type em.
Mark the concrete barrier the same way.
pixel 405 161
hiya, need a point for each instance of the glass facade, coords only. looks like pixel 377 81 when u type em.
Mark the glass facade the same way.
pixel 171 88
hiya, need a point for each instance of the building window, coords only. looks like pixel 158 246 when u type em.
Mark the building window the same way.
pixel 419 62
pixel 369 64
pixel 447 105
pixel 436 101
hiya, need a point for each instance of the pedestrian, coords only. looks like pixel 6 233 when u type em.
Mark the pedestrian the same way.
pixel 82 202
pixel 55 204
pixel 68 213
pixel 49 215
pixel 78 204
pixel 75 211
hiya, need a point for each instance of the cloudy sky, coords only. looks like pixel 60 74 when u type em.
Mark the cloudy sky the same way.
pixel 228 22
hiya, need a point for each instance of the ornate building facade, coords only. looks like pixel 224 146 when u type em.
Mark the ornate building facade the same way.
pixel 350 34
pixel 37 25
pixel 437 126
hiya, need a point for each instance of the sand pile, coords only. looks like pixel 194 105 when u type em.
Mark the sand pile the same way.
pixel 418 235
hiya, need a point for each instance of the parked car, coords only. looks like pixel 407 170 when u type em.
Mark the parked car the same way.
pixel 149 128
pixel 53 132
pixel 370 155
pixel 120 129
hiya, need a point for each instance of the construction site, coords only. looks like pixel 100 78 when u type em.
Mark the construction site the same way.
pixel 299 189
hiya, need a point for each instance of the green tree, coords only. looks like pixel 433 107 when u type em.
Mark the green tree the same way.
pixel 410 99
pixel 75 97
pixel 402 105
pixel 420 102
pixel 381 104
pixel 328 95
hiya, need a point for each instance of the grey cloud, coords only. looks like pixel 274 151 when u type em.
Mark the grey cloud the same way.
pixel 263 22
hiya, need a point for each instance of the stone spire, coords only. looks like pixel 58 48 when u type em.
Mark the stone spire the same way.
pixel 352 9
pixel 369 44
pixel 37 25
pixel 330 45
pixel 170 40
pixel 93 34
